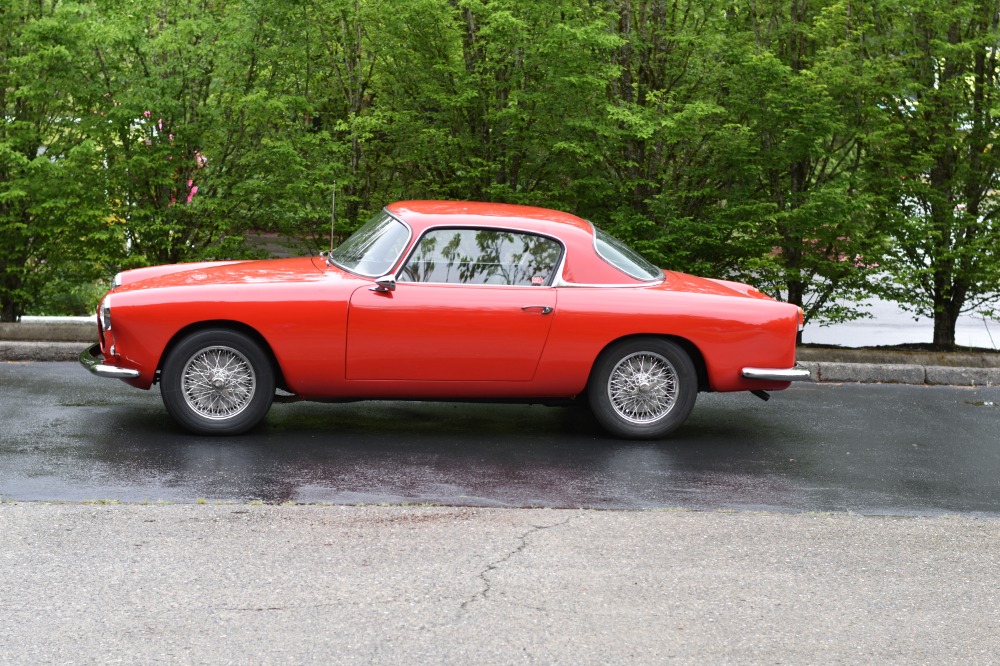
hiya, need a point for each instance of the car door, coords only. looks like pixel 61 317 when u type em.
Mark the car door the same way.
pixel 467 305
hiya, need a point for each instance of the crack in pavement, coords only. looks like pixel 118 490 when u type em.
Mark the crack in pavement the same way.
pixel 484 575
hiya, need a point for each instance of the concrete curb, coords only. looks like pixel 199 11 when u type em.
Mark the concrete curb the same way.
pixel 46 338
pixel 50 329
pixel 890 356
pixel 22 351
pixel 895 373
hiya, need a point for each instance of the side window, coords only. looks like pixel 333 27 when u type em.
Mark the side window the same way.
pixel 482 256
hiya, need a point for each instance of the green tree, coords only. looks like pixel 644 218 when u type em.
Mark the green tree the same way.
pixel 734 140
pixel 495 100
pixel 51 214
pixel 296 112
pixel 784 142
pixel 940 160
pixel 668 148
pixel 155 124
pixel 802 90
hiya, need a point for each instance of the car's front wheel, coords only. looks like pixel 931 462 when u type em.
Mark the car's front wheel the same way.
pixel 643 388
pixel 217 382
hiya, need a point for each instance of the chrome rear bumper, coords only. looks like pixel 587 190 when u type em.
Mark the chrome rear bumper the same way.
pixel 798 373
pixel 92 359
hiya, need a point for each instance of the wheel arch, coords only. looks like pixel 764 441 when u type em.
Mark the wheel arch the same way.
pixel 224 324
pixel 689 348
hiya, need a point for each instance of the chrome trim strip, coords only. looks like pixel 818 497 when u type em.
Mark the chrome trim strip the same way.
pixel 91 358
pixel 610 285
pixel 798 373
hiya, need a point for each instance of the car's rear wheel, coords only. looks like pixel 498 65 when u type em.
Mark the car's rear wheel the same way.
pixel 217 382
pixel 643 388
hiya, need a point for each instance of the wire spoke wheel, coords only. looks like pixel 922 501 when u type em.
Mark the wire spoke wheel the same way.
pixel 643 387
pixel 218 382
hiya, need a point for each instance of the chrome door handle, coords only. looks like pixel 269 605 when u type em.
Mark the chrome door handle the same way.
pixel 543 309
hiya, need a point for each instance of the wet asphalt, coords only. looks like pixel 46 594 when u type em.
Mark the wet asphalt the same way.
pixel 870 449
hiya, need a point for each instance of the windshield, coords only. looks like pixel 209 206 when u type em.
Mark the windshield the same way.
pixel 624 258
pixel 373 249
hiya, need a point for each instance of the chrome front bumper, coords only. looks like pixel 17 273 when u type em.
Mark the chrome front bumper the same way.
pixel 92 359
pixel 798 373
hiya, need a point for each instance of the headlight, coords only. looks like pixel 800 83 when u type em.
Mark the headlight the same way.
pixel 104 313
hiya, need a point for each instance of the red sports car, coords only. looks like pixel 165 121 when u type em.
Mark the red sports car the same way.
pixel 442 300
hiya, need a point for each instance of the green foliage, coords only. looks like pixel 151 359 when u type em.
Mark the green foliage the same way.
pixel 153 121
pixel 807 146
pixel 942 95
pixel 49 169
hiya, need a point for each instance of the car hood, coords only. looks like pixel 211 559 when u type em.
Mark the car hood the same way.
pixel 222 272
pixel 675 281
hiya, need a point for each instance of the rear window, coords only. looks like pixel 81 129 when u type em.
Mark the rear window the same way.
pixel 624 258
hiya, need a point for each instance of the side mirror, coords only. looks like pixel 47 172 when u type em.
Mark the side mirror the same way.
pixel 384 284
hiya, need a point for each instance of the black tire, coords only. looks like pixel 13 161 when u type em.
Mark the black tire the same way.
pixel 642 388
pixel 217 382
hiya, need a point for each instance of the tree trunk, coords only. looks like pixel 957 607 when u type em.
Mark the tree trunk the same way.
pixel 10 306
pixel 944 326
pixel 9 311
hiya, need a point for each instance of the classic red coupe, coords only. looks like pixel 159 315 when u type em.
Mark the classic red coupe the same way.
pixel 444 300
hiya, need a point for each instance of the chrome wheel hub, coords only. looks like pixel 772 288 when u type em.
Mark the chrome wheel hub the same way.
pixel 643 387
pixel 218 382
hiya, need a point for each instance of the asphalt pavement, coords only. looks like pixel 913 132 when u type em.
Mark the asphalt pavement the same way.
pixel 424 585
pixel 864 448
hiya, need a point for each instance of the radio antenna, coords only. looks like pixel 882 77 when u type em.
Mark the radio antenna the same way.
pixel 333 213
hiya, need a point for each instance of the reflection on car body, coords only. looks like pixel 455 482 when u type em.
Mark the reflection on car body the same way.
pixel 482 256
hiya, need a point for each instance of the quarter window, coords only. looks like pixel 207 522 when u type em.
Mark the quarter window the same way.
pixel 482 256
pixel 624 258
